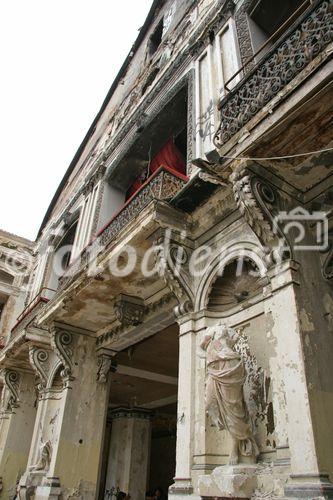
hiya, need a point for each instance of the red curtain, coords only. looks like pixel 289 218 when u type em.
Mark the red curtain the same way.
pixel 168 156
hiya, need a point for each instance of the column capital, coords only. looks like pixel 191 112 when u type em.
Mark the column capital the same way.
pixel 123 412
pixel 106 364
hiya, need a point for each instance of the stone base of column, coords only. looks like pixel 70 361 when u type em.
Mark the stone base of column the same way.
pixel 181 486
pixel 49 490
pixel 309 486
pixel 229 481
pixel 36 485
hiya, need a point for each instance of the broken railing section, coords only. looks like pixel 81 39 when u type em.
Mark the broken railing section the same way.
pixel 164 184
pixel 290 55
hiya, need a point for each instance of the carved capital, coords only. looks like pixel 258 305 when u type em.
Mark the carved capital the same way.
pixel 10 399
pixel 39 360
pixel 106 365
pixel 129 310
pixel 61 341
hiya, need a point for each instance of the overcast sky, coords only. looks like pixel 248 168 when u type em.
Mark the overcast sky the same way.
pixel 58 60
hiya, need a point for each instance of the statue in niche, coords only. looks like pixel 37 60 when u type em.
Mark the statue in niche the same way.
pixel 225 404
pixel 44 457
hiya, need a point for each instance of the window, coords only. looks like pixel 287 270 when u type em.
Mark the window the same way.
pixel 67 241
pixel 6 277
pixel 266 17
pixel 2 305
pixel 3 300
pixel 155 39
pixel 215 66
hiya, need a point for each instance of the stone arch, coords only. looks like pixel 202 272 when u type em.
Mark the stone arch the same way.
pixel 242 250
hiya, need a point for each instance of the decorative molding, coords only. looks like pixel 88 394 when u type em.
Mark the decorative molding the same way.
pixel 39 360
pixel 160 91
pixel 142 120
pixel 162 186
pixel 140 413
pixel 106 364
pixel 279 66
pixel 210 26
pixel 113 335
pixel 129 310
pixel 191 112
pixel 243 34
pixel 327 266
pixel 61 341
pixel 172 260
pixel 256 201
pixel 11 400
pixel 94 179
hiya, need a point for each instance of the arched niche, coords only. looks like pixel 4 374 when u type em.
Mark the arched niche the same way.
pixel 245 252
pixel 237 284
pixel 233 292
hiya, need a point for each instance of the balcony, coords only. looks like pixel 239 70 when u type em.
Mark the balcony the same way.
pixel 163 185
pixel 31 310
pixel 299 47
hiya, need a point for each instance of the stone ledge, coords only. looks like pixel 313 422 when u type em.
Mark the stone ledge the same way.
pixel 230 482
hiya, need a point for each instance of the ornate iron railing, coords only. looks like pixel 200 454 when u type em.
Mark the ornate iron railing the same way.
pixel 164 184
pixel 289 56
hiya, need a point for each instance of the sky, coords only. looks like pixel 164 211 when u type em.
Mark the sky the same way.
pixel 58 61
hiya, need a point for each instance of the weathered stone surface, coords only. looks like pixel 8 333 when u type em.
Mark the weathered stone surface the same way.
pixel 229 481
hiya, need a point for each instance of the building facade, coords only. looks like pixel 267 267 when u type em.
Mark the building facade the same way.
pixel 200 197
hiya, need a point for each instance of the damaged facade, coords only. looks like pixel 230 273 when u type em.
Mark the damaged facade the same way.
pixel 197 151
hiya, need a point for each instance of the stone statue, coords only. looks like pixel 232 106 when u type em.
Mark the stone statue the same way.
pixel 44 457
pixel 225 403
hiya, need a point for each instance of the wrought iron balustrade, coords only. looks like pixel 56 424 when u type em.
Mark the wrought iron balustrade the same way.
pixel 164 184
pixel 308 36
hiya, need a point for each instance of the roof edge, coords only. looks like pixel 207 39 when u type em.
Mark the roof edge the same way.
pixel 143 31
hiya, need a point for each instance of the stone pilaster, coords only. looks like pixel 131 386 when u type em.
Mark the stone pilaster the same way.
pixel 68 437
pixel 17 419
pixel 295 423
pixel 129 451
pixel 186 409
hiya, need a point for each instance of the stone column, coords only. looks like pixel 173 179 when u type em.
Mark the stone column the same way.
pixel 17 421
pixel 129 452
pixel 296 423
pixel 68 438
